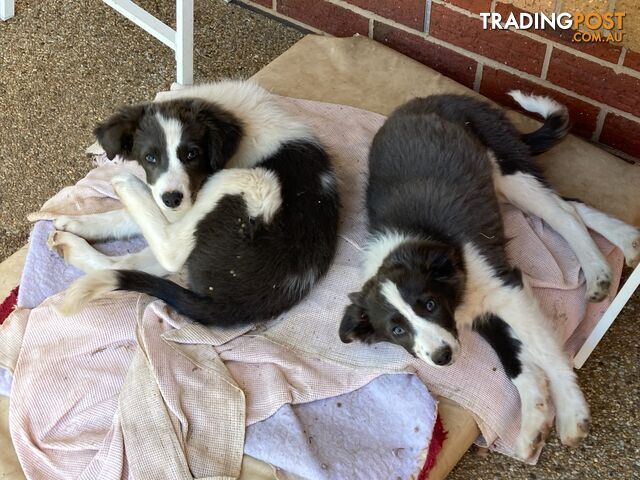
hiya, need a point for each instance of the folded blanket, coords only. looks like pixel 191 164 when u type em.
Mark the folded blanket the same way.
pixel 297 359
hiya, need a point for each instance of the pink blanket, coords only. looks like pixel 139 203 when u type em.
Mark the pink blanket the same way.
pixel 150 365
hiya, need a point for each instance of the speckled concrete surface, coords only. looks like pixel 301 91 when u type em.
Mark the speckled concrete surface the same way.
pixel 65 65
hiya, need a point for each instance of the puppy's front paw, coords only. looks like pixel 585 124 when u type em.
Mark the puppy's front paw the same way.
pixel 632 249
pixel 527 447
pixel 598 284
pixel 572 420
pixel 573 431
pixel 125 183
pixel 537 419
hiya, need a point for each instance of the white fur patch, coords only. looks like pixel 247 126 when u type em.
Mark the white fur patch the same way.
pixel 98 226
pixel 87 288
pixel 544 106
pixel 379 247
pixel 329 182
pixel 301 283
pixel 535 412
pixel 175 178
pixel 428 336
pixel 480 283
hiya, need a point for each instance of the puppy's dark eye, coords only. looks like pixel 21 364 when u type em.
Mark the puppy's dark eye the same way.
pixel 364 316
pixel 192 154
pixel 150 158
pixel 429 305
pixel 397 330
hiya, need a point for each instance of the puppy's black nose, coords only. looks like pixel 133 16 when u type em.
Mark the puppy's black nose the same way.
pixel 442 356
pixel 172 199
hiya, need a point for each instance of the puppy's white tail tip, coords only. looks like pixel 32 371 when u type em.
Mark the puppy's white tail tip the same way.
pixel 544 106
pixel 86 289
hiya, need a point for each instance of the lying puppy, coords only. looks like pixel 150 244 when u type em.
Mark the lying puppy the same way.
pixel 239 193
pixel 436 262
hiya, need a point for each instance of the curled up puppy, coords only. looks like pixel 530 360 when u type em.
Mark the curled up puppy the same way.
pixel 238 192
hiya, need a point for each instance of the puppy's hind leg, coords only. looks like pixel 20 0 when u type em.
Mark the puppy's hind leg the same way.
pixel 624 236
pixel 532 385
pixel 76 251
pixel 529 194
pixel 98 226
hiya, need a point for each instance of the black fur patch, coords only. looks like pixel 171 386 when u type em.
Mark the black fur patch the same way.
pixel 266 266
pixel 554 129
pixel 500 336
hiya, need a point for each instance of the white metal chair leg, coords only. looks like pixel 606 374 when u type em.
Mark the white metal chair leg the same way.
pixel 180 40
pixel 7 9
pixel 607 319
pixel 184 41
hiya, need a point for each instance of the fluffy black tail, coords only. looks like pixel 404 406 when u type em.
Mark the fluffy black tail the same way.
pixel 556 121
pixel 203 309
pixel 200 308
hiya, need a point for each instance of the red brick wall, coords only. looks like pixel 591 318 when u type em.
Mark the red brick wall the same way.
pixel 599 82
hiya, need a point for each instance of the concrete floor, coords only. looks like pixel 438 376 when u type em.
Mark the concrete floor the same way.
pixel 65 65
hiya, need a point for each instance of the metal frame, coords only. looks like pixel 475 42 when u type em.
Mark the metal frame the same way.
pixel 620 300
pixel 179 40
pixel 7 9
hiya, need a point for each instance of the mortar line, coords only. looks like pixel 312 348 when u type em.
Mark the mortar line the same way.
pixel 602 114
pixel 478 80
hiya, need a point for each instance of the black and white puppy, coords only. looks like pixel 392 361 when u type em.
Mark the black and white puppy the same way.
pixel 238 192
pixel 436 261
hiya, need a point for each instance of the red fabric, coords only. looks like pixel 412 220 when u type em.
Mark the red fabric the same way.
pixel 8 305
pixel 437 439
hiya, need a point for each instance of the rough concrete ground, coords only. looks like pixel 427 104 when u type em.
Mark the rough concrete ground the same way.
pixel 65 65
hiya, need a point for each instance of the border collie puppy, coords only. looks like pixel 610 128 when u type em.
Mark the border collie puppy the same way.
pixel 238 192
pixel 436 262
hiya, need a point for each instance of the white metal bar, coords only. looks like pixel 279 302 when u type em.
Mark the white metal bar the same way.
pixel 184 41
pixel 7 9
pixel 608 317
pixel 145 20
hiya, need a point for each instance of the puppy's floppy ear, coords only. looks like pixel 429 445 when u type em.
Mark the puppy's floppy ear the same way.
pixel 355 323
pixel 445 264
pixel 116 133
pixel 224 130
